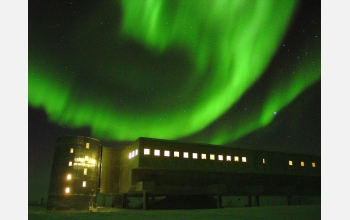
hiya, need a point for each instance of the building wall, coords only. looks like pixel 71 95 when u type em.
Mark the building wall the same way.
pixel 110 170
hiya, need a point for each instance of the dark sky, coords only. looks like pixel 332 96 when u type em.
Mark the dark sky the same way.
pixel 246 75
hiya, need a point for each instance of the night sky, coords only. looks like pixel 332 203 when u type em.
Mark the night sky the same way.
pixel 236 73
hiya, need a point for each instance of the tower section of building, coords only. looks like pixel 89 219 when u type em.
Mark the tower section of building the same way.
pixel 75 173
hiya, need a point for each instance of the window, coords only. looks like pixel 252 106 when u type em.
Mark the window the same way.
pixel 85 171
pixel 129 155
pixel 204 156
pixel 136 152
pixel 212 157
pixel 290 163
pixel 146 151
pixel 156 152
pixel 220 157
pixel 185 154
pixel 69 176
pixel 71 150
pixel 132 154
pixel 244 159
pixel 70 163
pixel 176 154
pixel 86 158
pixel 87 145
pixel 194 155
pixel 313 164
pixel 236 159
pixel 263 160
pixel 302 163
pixel 67 190
pixel 228 158
pixel 84 183
pixel 166 153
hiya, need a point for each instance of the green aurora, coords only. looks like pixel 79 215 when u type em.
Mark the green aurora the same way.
pixel 167 69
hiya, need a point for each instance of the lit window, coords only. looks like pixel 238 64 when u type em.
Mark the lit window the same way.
pixel 194 155
pixel 146 151
pixel 166 153
pixel 67 190
pixel 290 163
pixel 220 157
pixel 86 158
pixel 136 152
pixel 263 160
pixel 204 156
pixel 185 154
pixel 69 176
pixel 302 163
pixel 133 154
pixel 244 159
pixel 70 163
pixel 228 158
pixel 313 164
pixel 236 159
pixel 176 154
pixel 156 152
pixel 71 150
pixel 84 183
pixel 212 157
pixel 129 155
pixel 85 171
pixel 87 145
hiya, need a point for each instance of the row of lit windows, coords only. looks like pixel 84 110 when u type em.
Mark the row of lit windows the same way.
pixel 87 146
pixel 67 190
pixel 133 153
pixel 203 156
pixel 302 163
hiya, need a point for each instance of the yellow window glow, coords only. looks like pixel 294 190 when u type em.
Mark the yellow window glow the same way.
pixel 236 159
pixel 86 158
pixel 156 152
pixel 71 150
pixel 244 159
pixel 212 157
pixel 228 158
pixel 220 157
pixel 302 163
pixel 129 155
pixel 176 154
pixel 313 164
pixel 136 152
pixel 84 183
pixel 133 154
pixel 87 145
pixel 146 151
pixel 85 171
pixel 263 160
pixel 67 190
pixel 70 163
pixel 166 153
pixel 290 163
pixel 185 154
pixel 194 155
pixel 69 176
pixel 204 156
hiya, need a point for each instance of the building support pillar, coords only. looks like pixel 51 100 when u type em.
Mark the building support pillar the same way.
pixel 249 201
pixel 145 200
pixel 219 201
pixel 256 200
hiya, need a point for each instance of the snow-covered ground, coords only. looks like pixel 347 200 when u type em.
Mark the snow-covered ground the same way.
pixel 295 212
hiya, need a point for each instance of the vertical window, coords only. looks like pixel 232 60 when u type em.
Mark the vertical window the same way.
pixel 204 156
pixel 84 183
pixel 129 155
pixel 71 150
pixel 132 154
pixel 70 163
pixel 176 154
pixel 67 190
pixel 166 153
pixel 156 152
pixel 85 171
pixel 244 159
pixel 220 157
pixel 290 163
pixel 236 159
pixel 87 145
pixel 263 160
pixel 136 152
pixel 228 158
pixel 302 163
pixel 69 176
pixel 86 158
pixel 146 151
pixel 212 157
pixel 313 164
pixel 194 155
pixel 185 154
